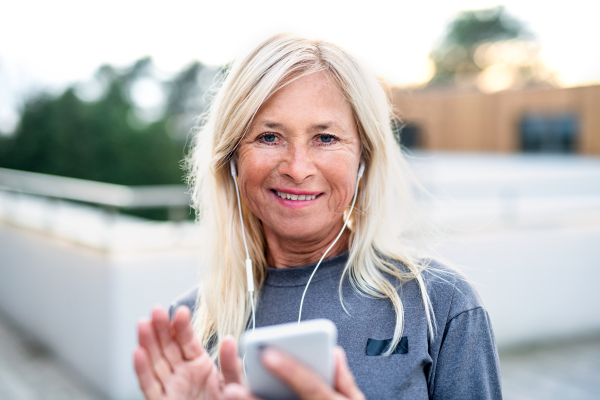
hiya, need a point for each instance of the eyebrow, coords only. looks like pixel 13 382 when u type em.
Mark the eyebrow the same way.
pixel 315 127
pixel 319 127
pixel 273 125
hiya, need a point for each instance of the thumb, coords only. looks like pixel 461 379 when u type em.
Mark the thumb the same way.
pixel 344 380
pixel 230 362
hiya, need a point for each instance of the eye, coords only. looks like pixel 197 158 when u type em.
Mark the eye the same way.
pixel 326 139
pixel 268 138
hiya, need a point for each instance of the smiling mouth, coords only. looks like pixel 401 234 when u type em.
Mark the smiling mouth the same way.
pixel 295 197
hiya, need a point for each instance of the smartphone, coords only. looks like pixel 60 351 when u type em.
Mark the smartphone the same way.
pixel 310 342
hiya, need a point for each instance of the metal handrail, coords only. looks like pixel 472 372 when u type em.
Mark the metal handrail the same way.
pixel 92 192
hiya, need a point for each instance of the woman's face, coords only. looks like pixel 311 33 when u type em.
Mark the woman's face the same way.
pixel 298 163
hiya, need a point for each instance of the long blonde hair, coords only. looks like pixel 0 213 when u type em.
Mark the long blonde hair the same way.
pixel 383 205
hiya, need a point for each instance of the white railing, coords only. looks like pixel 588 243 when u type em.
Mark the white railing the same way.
pixel 105 195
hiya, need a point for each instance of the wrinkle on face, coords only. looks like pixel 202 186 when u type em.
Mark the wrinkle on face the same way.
pixel 301 116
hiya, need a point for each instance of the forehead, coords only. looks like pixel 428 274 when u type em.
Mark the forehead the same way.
pixel 314 98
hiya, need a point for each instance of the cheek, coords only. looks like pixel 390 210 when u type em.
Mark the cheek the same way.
pixel 253 175
pixel 342 189
pixel 257 161
pixel 252 181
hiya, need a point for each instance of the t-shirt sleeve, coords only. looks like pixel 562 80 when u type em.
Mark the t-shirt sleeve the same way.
pixel 467 364
pixel 187 299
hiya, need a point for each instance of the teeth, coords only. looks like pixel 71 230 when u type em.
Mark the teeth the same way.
pixel 296 196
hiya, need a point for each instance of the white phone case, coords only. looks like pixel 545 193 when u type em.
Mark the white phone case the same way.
pixel 310 342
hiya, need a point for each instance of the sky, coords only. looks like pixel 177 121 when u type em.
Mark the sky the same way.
pixel 48 45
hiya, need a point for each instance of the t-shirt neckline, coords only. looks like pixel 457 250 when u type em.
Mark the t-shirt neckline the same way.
pixel 298 276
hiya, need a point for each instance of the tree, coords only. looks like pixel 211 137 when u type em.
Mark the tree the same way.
pixel 487 50
pixel 105 140
pixel 110 139
pixel 188 97
pixel 96 141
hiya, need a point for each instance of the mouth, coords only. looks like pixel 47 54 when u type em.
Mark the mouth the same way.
pixel 295 197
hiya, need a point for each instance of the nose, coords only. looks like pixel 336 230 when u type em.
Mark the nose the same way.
pixel 297 164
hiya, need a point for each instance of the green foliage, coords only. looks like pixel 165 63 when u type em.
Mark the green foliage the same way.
pixel 65 136
pixel 470 29
pixel 105 140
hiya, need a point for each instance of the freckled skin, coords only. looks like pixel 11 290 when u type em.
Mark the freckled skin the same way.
pixel 304 138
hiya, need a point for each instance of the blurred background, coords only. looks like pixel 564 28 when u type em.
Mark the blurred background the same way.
pixel 498 106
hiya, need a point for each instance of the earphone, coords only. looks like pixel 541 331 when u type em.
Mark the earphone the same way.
pixel 361 169
pixel 249 270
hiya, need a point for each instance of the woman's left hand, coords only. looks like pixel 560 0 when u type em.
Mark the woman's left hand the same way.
pixel 302 380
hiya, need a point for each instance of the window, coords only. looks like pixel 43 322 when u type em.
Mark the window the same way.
pixel 549 133
pixel 408 135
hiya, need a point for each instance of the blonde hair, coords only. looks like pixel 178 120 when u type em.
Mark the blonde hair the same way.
pixel 377 252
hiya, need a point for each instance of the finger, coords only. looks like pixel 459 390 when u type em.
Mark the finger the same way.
pixel 164 333
pixel 148 340
pixel 230 362
pixel 149 385
pixel 234 391
pixel 184 334
pixel 344 380
pixel 209 378
pixel 202 374
pixel 297 376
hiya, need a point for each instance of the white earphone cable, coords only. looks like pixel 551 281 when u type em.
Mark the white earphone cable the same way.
pixel 249 270
pixel 237 193
pixel 332 244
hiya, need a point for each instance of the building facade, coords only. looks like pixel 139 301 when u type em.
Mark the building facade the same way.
pixel 535 120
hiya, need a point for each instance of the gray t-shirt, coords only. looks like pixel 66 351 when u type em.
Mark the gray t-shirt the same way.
pixel 460 363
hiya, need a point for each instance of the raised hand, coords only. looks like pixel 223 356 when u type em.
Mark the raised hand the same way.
pixel 172 364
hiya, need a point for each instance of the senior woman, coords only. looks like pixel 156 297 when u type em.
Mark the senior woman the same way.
pixel 298 117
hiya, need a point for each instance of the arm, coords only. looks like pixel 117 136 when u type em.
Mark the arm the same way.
pixel 467 364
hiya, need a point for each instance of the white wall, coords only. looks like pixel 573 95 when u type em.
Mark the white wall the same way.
pixel 537 285
pixel 84 303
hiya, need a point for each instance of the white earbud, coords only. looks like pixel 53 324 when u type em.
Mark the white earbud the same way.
pixel 232 167
pixel 361 170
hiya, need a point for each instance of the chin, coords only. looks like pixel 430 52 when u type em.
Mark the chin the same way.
pixel 299 230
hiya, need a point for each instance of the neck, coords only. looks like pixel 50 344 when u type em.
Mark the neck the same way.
pixel 290 253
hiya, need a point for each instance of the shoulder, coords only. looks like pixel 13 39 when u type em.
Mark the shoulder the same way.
pixel 450 291
pixel 187 299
